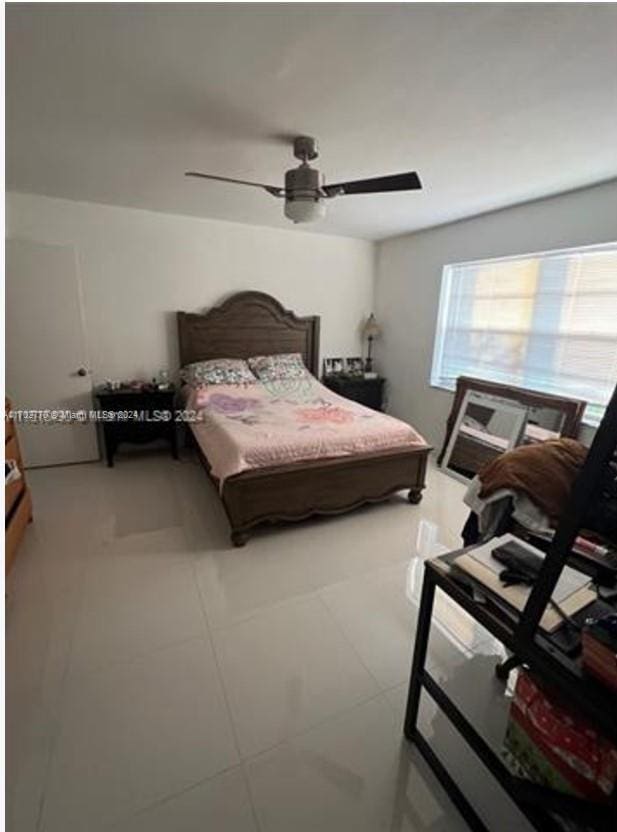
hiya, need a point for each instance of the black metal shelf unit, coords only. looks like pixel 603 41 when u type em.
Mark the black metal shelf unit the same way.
pixel 522 637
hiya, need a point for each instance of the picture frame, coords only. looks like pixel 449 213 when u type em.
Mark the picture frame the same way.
pixel 333 366
pixel 354 365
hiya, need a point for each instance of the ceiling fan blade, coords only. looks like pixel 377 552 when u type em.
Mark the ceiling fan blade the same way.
pixel 271 189
pixel 380 184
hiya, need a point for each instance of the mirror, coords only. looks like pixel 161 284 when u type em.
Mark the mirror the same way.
pixel 488 419
pixel 485 428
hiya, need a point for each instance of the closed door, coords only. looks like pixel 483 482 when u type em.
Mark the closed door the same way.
pixel 46 361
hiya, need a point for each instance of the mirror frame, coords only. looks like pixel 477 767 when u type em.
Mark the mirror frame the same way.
pixel 572 409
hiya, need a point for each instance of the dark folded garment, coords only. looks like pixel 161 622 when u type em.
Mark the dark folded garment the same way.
pixel 544 472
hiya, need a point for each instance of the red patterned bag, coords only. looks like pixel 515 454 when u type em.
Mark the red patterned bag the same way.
pixel 555 746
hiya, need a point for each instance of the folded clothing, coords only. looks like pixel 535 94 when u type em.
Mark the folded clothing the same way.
pixel 493 513
pixel 545 472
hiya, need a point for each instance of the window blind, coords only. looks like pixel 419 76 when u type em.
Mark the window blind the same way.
pixel 542 321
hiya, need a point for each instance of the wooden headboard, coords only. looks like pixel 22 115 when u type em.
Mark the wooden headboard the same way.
pixel 246 324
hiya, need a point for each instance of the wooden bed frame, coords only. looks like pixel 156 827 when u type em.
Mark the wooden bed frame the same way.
pixel 253 323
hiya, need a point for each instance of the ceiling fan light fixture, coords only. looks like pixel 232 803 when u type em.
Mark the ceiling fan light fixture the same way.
pixel 306 209
pixel 305 191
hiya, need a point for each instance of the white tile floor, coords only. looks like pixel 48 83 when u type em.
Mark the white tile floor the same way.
pixel 158 679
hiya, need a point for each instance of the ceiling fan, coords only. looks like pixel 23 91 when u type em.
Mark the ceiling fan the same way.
pixel 305 191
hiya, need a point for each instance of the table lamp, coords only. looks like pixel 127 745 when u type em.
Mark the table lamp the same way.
pixel 370 331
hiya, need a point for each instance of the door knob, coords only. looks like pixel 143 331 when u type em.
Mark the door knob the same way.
pixel 82 372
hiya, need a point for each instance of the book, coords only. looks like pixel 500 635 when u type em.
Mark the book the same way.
pixel 573 591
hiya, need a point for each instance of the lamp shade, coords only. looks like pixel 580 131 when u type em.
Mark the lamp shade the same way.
pixel 304 210
pixel 371 328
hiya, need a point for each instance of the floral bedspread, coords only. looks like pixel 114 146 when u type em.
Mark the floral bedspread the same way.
pixel 263 425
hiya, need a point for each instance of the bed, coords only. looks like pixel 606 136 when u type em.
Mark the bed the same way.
pixel 254 323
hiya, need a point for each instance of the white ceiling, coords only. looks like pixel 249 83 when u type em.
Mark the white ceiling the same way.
pixel 492 104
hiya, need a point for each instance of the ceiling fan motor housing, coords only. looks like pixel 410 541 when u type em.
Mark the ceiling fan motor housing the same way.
pixel 302 197
pixel 305 148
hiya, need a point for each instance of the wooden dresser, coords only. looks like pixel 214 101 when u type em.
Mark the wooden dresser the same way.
pixel 17 500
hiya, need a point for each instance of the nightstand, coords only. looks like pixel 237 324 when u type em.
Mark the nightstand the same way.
pixel 137 416
pixel 367 391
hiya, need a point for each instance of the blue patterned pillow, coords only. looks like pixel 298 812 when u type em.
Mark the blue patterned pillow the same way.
pixel 278 367
pixel 217 371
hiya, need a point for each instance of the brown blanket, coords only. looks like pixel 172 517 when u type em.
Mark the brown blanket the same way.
pixel 544 472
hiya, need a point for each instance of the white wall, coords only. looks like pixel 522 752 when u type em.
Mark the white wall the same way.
pixel 137 268
pixel 409 278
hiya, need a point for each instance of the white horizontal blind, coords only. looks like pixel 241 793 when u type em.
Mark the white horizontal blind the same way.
pixel 543 321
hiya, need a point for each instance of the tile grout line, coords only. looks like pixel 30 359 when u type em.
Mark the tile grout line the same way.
pixel 432 664
pixel 210 640
pixel 275 605
pixel 61 699
pixel 206 637
pixel 144 654
pixel 249 791
pixel 313 592
pixel 206 621
pixel 67 676
pixel 244 758
pixel 346 638
pixel 161 801
pixel 250 758
pixel 287 741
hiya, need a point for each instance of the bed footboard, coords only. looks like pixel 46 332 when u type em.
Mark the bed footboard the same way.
pixel 331 486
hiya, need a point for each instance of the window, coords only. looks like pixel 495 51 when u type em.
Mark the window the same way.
pixel 543 321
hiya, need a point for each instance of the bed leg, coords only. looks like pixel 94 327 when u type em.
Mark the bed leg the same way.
pixel 414 496
pixel 239 538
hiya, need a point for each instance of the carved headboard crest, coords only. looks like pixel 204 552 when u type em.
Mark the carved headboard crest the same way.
pixel 246 324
